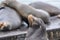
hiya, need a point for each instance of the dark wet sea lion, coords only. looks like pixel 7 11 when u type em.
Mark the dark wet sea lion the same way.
pixel 52 10
pixel 37 29
pixel 25 10
pixel 9 19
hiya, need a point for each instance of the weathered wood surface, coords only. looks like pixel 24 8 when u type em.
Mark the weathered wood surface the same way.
pixel 12 33
pixel 54 23
pixel 54 26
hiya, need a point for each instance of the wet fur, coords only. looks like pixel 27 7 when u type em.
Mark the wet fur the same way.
pixel 52 10
pixel 9 19
pixel 25 10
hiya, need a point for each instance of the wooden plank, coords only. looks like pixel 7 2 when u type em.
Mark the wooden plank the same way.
pixel 55 23
pixel 11 33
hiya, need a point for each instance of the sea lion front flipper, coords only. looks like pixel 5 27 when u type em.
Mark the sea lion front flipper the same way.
pixel 4 25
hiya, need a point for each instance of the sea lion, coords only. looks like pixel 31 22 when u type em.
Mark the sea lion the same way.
pixel 52 10
pixel 25 10
pixel 9 19
pixel 37 29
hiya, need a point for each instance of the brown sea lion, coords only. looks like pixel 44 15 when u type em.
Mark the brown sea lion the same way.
pixel 52 10
pixel 24 10
pixel 37 29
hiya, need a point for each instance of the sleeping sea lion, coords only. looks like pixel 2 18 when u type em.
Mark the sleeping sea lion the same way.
pixel 9 19
pixel 52 10
pixel 25 10
pixel 37 29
